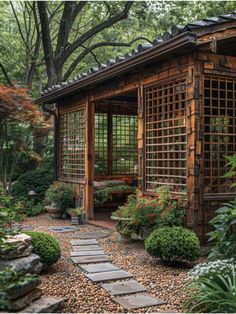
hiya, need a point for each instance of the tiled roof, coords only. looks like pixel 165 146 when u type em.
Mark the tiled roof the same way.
pixel 175 31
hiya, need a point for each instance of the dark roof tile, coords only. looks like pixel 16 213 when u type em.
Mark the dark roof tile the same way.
pixel 175 31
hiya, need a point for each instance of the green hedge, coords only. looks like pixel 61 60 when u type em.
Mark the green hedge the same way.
pixel 46 247
pixel 173 244
pixel 39 180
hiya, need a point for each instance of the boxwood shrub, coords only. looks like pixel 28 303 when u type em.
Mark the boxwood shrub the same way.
pixel 46 247
pixel 173 244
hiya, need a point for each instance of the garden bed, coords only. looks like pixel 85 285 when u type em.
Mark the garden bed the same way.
pixel 65 280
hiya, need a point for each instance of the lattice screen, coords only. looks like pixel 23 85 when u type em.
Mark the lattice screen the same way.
pixel 101 144
pixel 72 145
pixel 124 144
pixel 220 130
pixel 165 136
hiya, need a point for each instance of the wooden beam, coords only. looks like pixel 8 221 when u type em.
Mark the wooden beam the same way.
pixel 89 159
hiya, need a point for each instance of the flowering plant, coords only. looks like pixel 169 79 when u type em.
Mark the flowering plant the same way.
pixel 213 288
pixel 211 269
pixel 140 212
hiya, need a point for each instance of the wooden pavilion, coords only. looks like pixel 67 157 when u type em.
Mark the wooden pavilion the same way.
pixel 172 105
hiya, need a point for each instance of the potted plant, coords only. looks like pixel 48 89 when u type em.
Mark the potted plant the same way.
pixel 76 215
pixel 60 196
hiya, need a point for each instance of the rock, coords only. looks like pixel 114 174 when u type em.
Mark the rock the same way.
pixel 27 265
pixel 16 246
pixel 45 305
pixel 22 302
pixel 20 290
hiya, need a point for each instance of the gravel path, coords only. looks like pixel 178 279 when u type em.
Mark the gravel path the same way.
pixel 63 279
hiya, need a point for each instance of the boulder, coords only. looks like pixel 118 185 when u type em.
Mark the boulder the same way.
pixel 19 290
pixel 24 301
pixel 45 305
pixel 26 265
pixel 16 246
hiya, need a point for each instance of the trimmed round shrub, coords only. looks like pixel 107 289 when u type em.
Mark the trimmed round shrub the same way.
pixel 39 180
pixel 173 244
pixel 46 247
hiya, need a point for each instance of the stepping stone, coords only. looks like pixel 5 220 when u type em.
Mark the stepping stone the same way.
pixel 79 248
pixel 137 301
pixel 87 253
pixel 45 305
pixel 27 228
pixel 125 287
pixel 84 242
pixel 63 229
pixel 99 268
pixel 90 259
pixel 109 275
pixel 91 235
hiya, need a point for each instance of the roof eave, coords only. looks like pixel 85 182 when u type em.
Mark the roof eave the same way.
pixel 185 40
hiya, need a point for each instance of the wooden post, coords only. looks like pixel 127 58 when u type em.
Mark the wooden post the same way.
pixel 109 139
pixel 194 149
pixel 89 158
pixel 140 140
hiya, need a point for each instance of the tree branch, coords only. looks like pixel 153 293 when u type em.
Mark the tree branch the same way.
pixel 5 75
pixel 47 44
pixel 19 27
pixel 88 50
pixel 94 30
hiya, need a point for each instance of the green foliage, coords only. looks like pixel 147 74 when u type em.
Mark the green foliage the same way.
pixel 33 210
pixel 224 233
pixel 214 291
pixel 78 211
pixel 102 196
pixel 173 244
pixel 142 213
pixel 46 246
pixel 61 193
pixel 38 180
pixel 10 213
pixel 11 280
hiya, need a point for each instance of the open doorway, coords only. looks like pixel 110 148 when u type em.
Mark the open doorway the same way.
pixel 116 153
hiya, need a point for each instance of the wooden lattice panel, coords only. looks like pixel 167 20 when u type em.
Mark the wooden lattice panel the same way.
pixel 101 144
pixel 72 145
pixel 165 136
pixel 124 144
pixel 219 131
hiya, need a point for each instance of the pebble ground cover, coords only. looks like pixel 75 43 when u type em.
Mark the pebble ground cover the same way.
pixel 64 279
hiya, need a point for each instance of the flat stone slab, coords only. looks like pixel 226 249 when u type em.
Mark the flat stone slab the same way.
pixel 87 253
pixel 84 242
pixel 27 228
pixel 30 264
pixel 99 268
pixel 109 275
pixel 137 301
pixel 63 229
pixel 44 305
pixel 91 235
pixel 79 248
pixel 90 259
pixel 125 287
